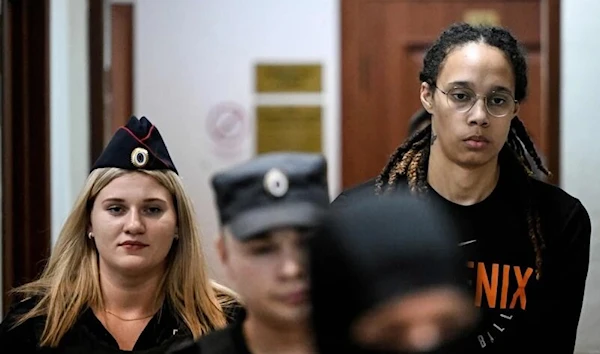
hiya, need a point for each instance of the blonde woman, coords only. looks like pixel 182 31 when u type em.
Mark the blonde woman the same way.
pixel 127 271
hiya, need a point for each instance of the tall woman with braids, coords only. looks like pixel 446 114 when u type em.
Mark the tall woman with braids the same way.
pixel 527 242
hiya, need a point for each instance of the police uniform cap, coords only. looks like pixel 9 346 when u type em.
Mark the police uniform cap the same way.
pixel 284 189
pixel 137 145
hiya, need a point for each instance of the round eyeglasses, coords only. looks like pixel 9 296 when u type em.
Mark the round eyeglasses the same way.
pixel 498 104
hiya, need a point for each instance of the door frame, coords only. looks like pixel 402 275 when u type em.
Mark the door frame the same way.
pixel 97 76
pixel 550 76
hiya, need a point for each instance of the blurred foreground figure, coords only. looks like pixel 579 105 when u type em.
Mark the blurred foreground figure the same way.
pixel 396 264
pixel 268 208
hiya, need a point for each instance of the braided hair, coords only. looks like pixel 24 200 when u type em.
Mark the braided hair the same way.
pixel 410 159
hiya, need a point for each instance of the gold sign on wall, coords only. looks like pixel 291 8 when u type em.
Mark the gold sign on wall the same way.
pixel 487 17
pixel 288 78
pixel 288 128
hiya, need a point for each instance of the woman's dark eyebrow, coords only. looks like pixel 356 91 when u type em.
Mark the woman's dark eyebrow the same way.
pixel 501 88
pixel 467 84
pixel 460 83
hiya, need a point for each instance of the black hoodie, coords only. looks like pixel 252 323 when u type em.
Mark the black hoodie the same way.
pixel 361 258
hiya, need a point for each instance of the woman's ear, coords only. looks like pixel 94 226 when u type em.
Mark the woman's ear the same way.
pixel 426 96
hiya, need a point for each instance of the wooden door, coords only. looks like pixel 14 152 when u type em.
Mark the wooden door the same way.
pixel 111 84
pixel 119 105
pixel 383 43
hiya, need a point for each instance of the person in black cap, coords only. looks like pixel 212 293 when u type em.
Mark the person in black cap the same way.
pixel 268 207
pixel 402 286
pixel 127 271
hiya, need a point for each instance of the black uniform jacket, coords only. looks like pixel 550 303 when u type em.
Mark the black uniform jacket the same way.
pixel 164 331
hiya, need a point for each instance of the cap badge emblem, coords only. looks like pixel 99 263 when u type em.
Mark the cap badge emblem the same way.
pixel 276 183
pixel 139 157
